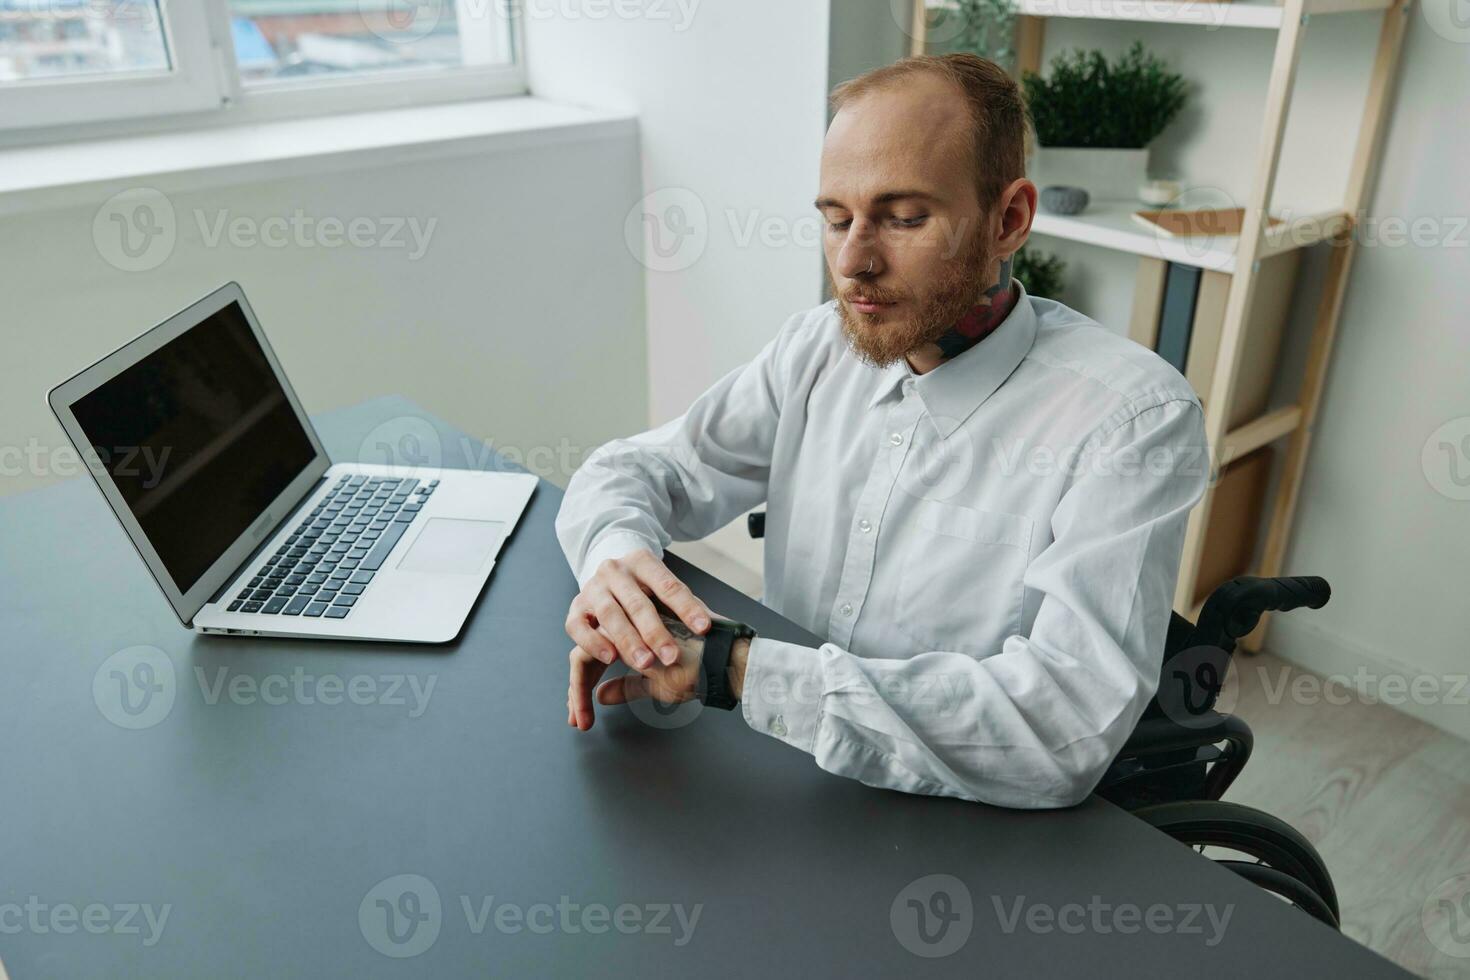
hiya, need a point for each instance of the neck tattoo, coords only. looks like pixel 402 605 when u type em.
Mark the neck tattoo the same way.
pixel 982 320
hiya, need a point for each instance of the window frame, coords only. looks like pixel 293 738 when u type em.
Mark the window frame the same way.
pixel 191 83
pixel 207 90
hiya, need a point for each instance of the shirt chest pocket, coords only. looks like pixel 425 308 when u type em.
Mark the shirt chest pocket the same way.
pixel 961 577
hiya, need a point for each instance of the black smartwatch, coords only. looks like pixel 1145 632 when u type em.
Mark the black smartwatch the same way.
pixel 719 640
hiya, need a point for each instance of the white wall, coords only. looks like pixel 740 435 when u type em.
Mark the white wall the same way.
pixel 1374 519
pixel 522 322
pixel 731 102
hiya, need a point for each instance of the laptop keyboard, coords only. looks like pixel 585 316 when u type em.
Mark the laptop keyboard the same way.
pixel 330 559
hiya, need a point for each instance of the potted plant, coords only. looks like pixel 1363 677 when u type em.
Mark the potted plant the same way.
pixel 1040 272
pixel 1095 118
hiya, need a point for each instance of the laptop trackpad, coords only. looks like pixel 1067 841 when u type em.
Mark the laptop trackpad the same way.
pixel 453 547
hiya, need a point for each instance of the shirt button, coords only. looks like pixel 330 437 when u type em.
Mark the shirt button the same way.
pixel 846 609
pixel 896 439
pixel 778 726
pixel 865 525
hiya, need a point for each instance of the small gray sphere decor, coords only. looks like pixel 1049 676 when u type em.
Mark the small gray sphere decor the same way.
pixel 1059 199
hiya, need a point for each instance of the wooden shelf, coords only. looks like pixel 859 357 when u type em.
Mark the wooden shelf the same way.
pixel 1110 224
pixel 1196 14
pixel 1260 432
pixel 1190 13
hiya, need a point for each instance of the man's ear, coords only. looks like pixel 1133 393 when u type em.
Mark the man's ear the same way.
pixel 1017 209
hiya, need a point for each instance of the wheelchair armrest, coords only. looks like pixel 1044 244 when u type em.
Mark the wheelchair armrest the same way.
pixel 1155 735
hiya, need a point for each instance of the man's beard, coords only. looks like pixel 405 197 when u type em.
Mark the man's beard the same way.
pixel 881 339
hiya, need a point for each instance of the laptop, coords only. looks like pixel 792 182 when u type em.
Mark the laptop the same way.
pixel 201 448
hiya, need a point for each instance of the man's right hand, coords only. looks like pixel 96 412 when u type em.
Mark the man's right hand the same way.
pixel 613 613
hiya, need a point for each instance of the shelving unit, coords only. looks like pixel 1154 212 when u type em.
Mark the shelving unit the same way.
pixel 1239 260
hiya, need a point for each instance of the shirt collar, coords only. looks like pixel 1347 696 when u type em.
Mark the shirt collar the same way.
pixel 953 391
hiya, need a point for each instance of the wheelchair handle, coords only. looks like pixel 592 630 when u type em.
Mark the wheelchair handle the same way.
pixel 1236 607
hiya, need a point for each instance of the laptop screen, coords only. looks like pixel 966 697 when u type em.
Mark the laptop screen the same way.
pixel 199 439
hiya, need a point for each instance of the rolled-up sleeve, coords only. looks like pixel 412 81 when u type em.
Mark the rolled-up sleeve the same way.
pixel 1036 723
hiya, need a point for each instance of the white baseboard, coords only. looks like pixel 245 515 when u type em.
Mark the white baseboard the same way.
pixel 1438 699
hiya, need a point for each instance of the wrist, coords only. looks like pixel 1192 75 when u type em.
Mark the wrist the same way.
pixel 739 656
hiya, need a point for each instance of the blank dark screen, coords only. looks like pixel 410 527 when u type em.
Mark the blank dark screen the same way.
pixel 199 439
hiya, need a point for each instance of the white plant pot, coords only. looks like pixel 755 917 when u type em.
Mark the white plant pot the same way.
pixel 1105 174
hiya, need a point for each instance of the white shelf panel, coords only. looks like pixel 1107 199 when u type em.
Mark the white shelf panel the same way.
pixel 1110 224
pixel 1197 13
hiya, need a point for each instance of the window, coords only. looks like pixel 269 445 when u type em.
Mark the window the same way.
pixel 65 62
pixel 284 39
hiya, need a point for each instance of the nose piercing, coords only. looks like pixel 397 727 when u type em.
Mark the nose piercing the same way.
pixel 870 267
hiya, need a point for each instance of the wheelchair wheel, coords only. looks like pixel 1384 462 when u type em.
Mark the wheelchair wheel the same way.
pixel 1280 859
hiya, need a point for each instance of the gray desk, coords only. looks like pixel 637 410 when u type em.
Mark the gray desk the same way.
pixel 267 828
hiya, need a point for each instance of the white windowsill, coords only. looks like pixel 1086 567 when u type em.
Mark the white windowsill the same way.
pixel 39 177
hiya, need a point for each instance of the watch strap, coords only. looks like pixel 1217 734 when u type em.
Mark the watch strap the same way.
pixel 719 641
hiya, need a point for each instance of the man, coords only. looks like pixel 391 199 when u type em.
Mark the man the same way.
pixel 977 497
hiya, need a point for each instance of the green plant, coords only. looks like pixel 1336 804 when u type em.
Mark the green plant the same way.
pixel 1039 272
pixel 1089 102
pixel 986 28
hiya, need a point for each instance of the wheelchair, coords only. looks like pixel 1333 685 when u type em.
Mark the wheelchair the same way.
pixel 1183 755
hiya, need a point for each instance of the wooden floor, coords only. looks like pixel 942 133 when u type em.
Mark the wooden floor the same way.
pixel 1383 796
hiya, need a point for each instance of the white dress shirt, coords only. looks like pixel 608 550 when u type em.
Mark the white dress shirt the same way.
pixel 989 549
